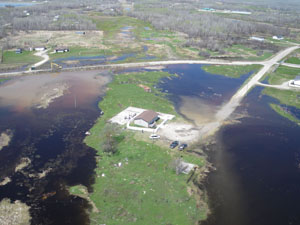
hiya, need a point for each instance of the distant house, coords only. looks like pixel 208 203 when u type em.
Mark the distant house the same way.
pixel 80 32
pixel 209 9
pixel 146 118
pixel 257 39
pixel 40 48
pixel 278 38
pixel 61 50
pixel 19 51
pixel 297 81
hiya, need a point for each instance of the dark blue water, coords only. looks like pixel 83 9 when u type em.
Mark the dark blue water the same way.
pixel 258 176
pixel 50 138
pixel 257 180
pixel 192 81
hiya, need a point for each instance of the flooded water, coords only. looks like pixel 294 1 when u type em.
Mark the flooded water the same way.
pixel 257 180
pixel 52 139
pixel 258 176
pixel 196 94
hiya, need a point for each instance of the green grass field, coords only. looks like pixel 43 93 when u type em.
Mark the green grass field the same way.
pixel 293 60
pixel 285 97
pixel 145 189
pixel 81 51
pixel 27 57
pixel 230 71
pixel 283 74
pixel 284 113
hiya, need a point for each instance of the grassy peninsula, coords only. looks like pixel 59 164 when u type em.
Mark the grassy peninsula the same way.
pixel 230 71
pixel 145 189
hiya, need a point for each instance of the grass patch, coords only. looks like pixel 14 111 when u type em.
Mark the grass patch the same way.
pixel 26 57
pixel 281 111
pixel 293 60
pixel 230 71
pixel 81 51
pixel 78 190
pixel 145 189
pixel 283 74
pixel 4 79
pixel 285 97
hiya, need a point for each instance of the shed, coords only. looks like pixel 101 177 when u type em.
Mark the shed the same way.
pixel 297 81
pixel 40 48
pixel 61 50
pixel 146 118
pixel 278 37
pixel 80 32
pixel 257 39
pixel 19 51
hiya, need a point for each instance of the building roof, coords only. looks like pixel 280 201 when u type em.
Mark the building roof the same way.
pixel 147 116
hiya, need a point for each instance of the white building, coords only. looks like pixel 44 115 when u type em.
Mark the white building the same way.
pixel 278 38
pixel 40 48
pixel 257 39
pixel 295 82
pixel 146 118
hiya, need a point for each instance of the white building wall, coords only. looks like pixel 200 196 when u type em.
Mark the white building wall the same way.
pixel 141 122
pixel 297 82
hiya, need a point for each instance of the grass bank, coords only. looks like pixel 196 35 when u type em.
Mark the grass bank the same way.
pixel 230 71
pixel 285 113
pixel 293 60
pixel 13 60
pixel 145 189
pixel 283 74
pixel 285 97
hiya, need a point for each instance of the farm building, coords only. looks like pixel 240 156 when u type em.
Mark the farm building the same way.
pixel 80 32
pixel 19 51
pixel 40 48
pixel 297 81
pixel 61 50
pixel 146 118
pixel 257 38
pixel 278 38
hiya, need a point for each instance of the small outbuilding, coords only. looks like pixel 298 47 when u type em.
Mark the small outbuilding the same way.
pixel 62 50
pixel 297 81
pixel 40 48
pixel 278 38
pixel 146 118
pixel 19 51
pixel 80 32
pixel 257 39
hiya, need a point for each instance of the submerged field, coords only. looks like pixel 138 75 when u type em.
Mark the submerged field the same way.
pixel 145 189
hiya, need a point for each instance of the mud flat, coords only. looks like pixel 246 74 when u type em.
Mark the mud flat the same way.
pixel 5 138
pixel 14 213
pixel 52 94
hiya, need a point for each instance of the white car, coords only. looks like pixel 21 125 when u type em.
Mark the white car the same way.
pixel 154 136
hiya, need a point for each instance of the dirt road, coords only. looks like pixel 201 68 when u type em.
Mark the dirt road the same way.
pixel 45 57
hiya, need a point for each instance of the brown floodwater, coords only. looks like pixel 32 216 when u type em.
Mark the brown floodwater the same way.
pixel 25 92
pixel 197 110
pixel 52 139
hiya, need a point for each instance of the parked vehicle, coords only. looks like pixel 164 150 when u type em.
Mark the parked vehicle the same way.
pixel 182 147
pixel 174 144
pixel 154 136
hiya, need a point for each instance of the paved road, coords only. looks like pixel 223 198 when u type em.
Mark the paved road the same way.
pixel 291 65
pixel 234 102
pixel 139 64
